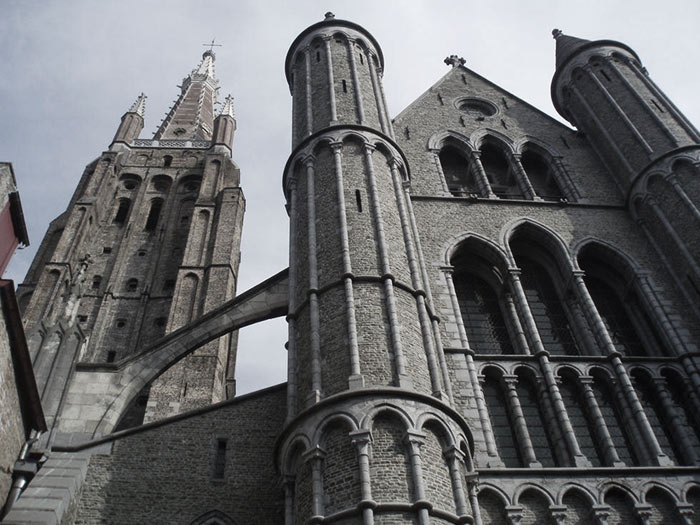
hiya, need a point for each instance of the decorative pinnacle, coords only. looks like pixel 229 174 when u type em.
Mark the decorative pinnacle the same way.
pixel 139 107
pixel 454 61
pixel 556 33
pixel 329 16
pixel 228 107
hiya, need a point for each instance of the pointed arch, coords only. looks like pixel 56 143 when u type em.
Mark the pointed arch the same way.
pixel 213 517
pixel 611 279
pixel 479 281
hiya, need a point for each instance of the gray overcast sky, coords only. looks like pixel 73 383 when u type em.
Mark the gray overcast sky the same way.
pixel 71 68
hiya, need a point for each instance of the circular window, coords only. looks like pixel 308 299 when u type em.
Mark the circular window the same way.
pixel 477 107
pixel 129 184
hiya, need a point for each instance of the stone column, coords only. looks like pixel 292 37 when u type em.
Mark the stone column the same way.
pixel 355 82
pixel 628 392
pixel 489 439
pixel 315 394
pixel 521 178
pixel 432 346
pixel 291 317
pixel 514 325
pixel 288 484
pixel 315 456
pixel 356 379
pixel 671 231
pixel 472 490
pixel 674 421
pixel 482 181
pixel 376 89
pixel 331 83
pixel 386 276
pixel 414 441
pixel 575 454
pixel 562 177
pixel 518 419
pixel 309 96
pixel 601 428
pixel 684 196
pixel 453 457
pixel 361 439
pixel 435 155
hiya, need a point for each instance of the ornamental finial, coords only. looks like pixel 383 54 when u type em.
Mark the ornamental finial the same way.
pixel 227 109
pixel 454 61
pixel 556 33
pixel 139 106
pixel 329 16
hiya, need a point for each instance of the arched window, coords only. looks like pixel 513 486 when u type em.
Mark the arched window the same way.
pixel 96 280
pixel 167 161
pixel 546 306
pixel 455 168
pixel 532 406
pixel 478 284
pixel 541 176
pixel 122 211
pixel 630 328
pixel 501 420
pixel 132 285
pixel 499 172
pixel 153 215
pixel 481 313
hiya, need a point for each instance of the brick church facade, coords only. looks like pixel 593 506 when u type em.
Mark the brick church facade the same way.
pixel 493 317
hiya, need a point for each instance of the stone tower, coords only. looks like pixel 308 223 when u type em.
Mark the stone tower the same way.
pixel 366 366
pixel 150 241
pixel 648 145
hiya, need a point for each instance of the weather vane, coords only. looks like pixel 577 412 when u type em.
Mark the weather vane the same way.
pixel 212 45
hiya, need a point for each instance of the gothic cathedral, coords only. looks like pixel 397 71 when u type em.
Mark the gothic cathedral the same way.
pixel 493 317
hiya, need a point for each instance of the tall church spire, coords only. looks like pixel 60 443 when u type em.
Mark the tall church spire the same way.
pixel 192 115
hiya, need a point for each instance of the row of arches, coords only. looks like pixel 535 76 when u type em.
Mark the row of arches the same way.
pixel 535 295
pixel 492 167
pixel 528 433
pixel 613 504
pixel 385 458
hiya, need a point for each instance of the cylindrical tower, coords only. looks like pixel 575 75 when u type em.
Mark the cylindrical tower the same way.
pixel 649 146
pixel 366 372
pixel 602 88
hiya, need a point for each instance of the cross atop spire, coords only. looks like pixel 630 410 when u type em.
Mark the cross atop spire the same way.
pixel 212 45
pixel 454 61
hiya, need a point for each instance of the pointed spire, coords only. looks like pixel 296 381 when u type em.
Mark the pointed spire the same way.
pixel 192 115
pixel 566 46
pixel 227 109
pixel 139 106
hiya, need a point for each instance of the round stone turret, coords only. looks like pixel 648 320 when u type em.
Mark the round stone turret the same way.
pixel 602 88
pixel 367 378
pixel 334 71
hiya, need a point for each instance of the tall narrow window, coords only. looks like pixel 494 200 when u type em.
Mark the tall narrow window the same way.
pixel 96 282
pixel 122 212
pixel 219 469
pixel 167 161
pixel 153 215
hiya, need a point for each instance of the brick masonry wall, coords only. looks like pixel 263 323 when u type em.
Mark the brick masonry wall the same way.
pixel 165 474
